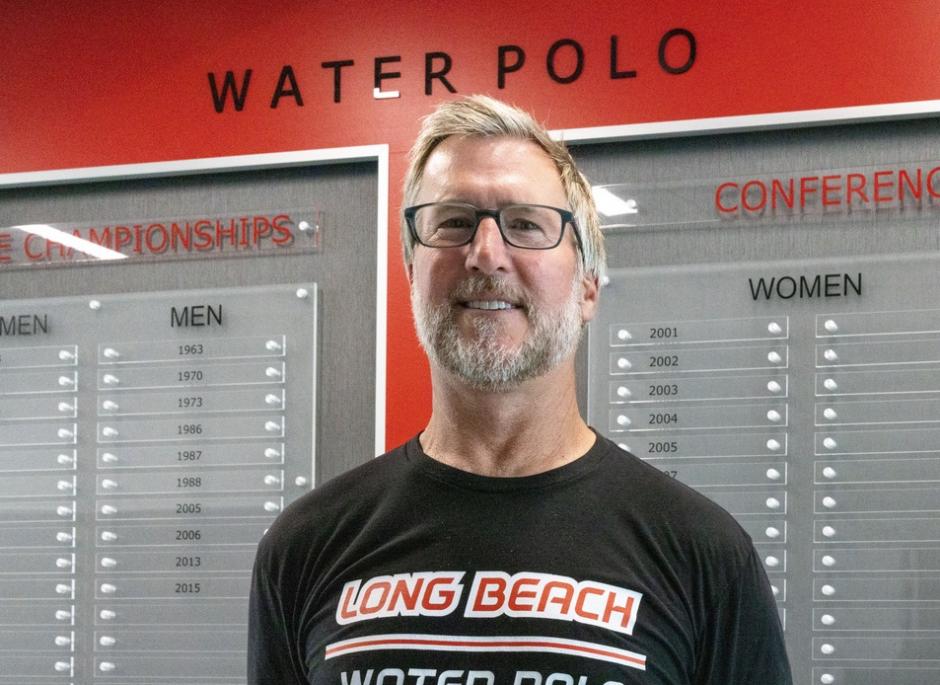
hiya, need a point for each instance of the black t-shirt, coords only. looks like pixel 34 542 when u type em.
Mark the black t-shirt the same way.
pixel 406 571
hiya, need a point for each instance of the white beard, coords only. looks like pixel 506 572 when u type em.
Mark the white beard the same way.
pixel 480 359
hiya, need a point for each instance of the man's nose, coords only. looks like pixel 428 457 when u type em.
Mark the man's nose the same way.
pixel 487 253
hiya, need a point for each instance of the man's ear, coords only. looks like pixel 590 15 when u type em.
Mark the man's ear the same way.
pixel 589 297
pixel 410 272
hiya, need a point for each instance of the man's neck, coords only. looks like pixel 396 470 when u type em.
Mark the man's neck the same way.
pixel 530 429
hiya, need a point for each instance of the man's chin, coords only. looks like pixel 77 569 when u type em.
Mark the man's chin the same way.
pixel 499 346
pixel 492 366
pixel 476 323
pixel 486 380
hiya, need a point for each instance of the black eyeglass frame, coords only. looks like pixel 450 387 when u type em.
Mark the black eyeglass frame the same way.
pixel 567 217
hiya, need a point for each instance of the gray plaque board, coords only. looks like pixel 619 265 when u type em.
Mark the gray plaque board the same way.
pixel 147 440
pixel 813 420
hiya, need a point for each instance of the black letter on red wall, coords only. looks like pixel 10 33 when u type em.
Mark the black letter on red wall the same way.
pixel 287 74
pixel 430 74
pixel 579 63
pixel 664 43
pixel 506 68
pixel 614 70
pixel 337 81
pixel 382 76
pixel 228 84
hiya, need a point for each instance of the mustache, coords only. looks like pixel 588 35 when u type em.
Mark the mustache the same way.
pixel 479 285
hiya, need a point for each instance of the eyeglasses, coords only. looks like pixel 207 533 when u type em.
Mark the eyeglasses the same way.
pixel 452 224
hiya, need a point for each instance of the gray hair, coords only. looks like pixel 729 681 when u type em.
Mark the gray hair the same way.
pixel 479 115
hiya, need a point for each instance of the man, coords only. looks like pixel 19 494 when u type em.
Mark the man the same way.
pixel 507 543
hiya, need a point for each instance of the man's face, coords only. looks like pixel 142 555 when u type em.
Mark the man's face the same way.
pixel 492 314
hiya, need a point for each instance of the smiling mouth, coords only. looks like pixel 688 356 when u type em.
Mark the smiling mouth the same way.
pixel 489 305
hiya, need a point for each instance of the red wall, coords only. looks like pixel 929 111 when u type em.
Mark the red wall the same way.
pixel 108 82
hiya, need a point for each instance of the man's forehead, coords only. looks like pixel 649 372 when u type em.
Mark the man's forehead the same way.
pixel 487 160
pixel 480 145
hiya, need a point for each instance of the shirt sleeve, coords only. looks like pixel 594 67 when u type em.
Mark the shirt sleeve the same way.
pixel 272 654
pixel 742 642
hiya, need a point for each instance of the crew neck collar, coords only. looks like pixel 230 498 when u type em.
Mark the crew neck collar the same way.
pixel 440 471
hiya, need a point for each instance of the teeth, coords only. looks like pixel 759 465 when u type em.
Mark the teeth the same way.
pixel 488 304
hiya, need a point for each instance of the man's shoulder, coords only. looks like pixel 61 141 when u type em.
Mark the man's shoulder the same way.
pixel 661 502
pixel 374 475
pixel 341 501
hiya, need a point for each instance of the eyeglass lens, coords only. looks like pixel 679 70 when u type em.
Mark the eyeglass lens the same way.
pixel 528 226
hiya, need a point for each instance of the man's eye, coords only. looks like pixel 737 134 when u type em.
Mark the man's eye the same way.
pixel 455 222
pixel 523 226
